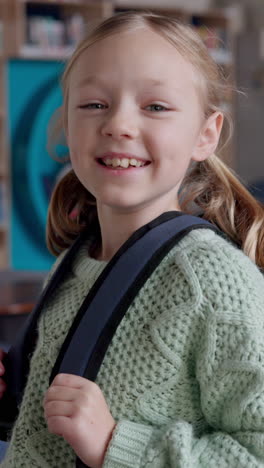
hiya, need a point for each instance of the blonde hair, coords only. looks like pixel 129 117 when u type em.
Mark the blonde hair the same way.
pixel 209 185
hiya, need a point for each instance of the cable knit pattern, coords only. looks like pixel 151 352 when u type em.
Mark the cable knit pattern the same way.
pixel 183 375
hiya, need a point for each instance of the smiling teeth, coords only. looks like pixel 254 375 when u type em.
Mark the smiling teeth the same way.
pixel 124 162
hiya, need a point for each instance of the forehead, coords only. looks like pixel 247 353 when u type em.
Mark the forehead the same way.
pixel 134 55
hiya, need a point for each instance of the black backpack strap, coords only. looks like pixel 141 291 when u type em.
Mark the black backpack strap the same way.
pixel 107 302
pixel 16 361
pixel 104 307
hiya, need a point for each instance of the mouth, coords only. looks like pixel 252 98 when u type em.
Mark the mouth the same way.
pixel 122 162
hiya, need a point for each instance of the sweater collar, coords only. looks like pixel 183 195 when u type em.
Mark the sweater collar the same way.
pixel 86 268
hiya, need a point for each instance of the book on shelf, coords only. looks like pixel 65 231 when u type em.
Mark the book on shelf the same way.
pixel 47 32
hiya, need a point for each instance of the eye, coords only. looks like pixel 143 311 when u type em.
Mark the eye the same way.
pixel 157 108
pixel 93 105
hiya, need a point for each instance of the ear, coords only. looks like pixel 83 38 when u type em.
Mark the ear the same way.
pixel 209 137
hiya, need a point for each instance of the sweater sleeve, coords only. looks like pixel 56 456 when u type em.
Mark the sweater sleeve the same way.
pixel 230 373
pixel 232 401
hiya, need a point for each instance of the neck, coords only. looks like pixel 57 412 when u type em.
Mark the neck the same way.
pixel 117 227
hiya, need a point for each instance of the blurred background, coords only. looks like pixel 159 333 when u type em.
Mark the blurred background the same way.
pixel 36 37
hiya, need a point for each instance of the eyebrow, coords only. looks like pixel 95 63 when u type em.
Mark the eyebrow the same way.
pixel 93 79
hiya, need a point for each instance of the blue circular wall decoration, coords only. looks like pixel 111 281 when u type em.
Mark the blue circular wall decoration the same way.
pixel 34 172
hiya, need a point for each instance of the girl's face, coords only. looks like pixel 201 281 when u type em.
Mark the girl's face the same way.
pixel 135 121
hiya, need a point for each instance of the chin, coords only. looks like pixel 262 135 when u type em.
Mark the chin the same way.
pixel 119 200
pixel 123 206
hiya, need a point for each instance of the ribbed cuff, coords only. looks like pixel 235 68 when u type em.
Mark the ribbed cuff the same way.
pixel 127 445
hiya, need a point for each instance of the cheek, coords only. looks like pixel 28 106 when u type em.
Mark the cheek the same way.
pixel 79 137
pixel 160 142
pixel 73 132
pixel 174 151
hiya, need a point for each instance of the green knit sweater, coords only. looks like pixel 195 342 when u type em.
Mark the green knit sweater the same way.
pixel 184 374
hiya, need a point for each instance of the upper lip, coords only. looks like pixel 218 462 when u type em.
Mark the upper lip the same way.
pixel 121 155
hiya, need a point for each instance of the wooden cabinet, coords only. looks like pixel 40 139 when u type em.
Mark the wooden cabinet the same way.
pixel 50 28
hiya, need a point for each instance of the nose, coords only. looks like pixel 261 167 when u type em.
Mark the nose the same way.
pixel 120 123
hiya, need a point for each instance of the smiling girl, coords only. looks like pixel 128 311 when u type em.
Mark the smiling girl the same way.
pixel 182 382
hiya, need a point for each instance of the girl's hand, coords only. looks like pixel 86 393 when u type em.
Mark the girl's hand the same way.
pixel 75 409
pixel 2 371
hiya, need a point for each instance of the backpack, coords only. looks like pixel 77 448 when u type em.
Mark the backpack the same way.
pixel 109 298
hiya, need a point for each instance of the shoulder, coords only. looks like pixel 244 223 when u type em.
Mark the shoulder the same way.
pixel 228 279
pixel 215 258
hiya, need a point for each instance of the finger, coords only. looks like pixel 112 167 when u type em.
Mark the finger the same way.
pixel 56 392
pixel 58 424
pixel 63 426
pixel 70 380
pixel 59 408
